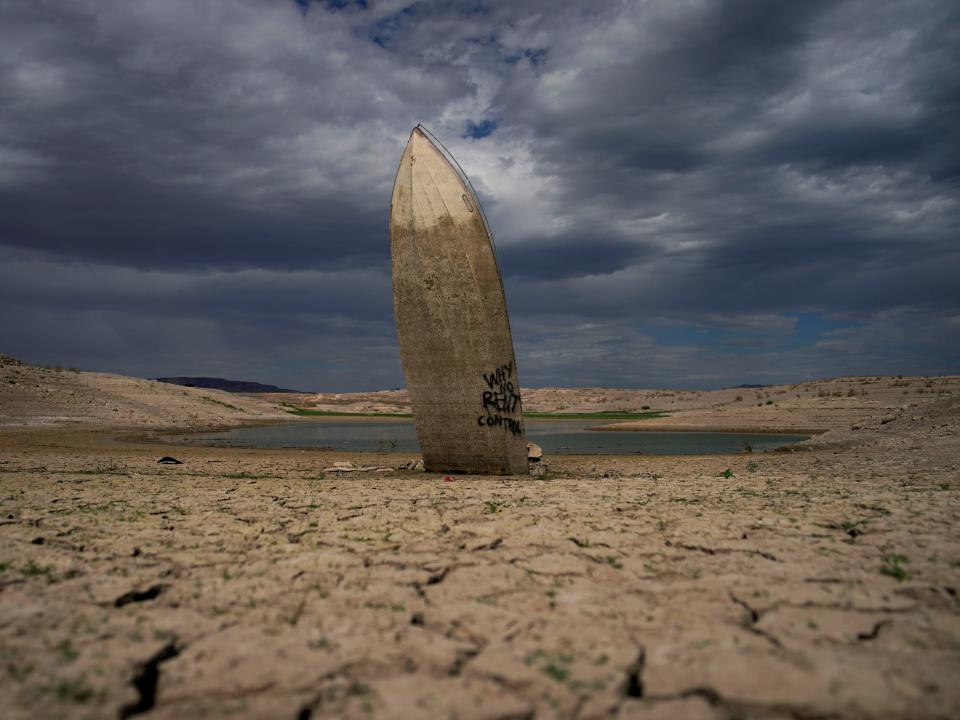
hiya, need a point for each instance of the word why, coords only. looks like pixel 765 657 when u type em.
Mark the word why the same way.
pixel 500 400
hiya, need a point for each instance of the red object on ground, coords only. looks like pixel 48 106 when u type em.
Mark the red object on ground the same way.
pixel 448 479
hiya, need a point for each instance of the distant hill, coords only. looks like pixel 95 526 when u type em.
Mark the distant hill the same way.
pixel 233 386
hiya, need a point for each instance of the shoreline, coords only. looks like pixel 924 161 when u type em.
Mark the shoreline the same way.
pixel 182 437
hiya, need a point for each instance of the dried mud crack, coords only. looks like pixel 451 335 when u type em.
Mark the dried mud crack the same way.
pixel 146 679
pixel 136 596
pixel 664 589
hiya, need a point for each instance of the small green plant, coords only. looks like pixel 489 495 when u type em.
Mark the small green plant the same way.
pixel 321 643
pixel 556 671
pixel 893 566
pixel 728 473
pixel 19 673
pixel 31 569
pixel 769 402
pixel 553 665
pixel 752 467
pixel 552 597
pixel 76 690
pixel 493 506
pixel 67 652
pixel 613 562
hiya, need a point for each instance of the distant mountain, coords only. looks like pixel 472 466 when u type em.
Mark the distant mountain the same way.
pixel 748 386
pixel 234 386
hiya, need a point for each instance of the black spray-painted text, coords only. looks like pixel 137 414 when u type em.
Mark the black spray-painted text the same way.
pixel 500 400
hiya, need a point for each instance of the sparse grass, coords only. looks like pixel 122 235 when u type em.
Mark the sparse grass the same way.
pixel 607 415
pixel 76 690
pixel 728 473
pixel 321 643
pixel 31 569
pixel 109 469
pixel 893 566
pixel 67 652
pixel 304 412
pixel 19 673
pixel 87 508
pixel 556 666
pixel 395 607
pixel 221 403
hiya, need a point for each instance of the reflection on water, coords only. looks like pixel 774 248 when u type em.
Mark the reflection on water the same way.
pixel 554 436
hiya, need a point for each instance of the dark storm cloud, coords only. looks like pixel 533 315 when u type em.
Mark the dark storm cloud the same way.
pixel 202 187
pixel 147 225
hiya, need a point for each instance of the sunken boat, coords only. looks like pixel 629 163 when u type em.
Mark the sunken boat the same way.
pixel 452 323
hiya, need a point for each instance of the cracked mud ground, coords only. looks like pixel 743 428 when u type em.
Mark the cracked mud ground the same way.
pixel 246 583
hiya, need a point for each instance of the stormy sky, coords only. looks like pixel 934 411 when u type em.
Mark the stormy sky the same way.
pixel 686 193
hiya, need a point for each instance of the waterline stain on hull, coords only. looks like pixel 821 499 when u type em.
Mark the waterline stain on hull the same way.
pixel 452 324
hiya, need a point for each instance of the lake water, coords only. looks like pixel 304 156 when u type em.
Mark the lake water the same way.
pixel 554 436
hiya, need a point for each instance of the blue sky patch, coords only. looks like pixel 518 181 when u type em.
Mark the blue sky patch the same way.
pixel 382 30
pixel 481 129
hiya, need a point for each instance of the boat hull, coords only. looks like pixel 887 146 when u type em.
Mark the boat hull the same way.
pixel 452 324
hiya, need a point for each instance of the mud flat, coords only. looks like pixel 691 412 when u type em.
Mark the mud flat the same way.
pixel 252 583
